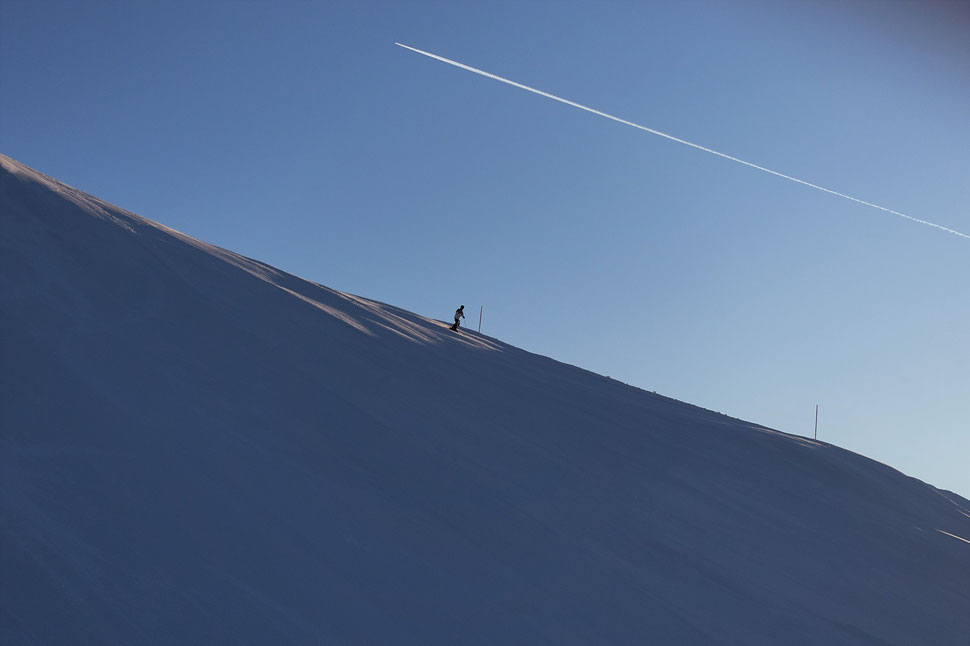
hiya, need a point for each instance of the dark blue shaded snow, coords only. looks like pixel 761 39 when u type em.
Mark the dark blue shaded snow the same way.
pixel 196 447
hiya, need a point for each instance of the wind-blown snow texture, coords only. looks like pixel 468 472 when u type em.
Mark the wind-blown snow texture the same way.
pixel 198 448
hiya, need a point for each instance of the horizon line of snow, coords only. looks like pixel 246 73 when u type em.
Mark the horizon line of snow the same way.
pixel 677 139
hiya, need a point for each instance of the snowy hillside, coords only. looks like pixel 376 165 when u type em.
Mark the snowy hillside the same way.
pixel 196 447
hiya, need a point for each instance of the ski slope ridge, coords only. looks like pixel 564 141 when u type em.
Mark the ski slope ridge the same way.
pixel 196 447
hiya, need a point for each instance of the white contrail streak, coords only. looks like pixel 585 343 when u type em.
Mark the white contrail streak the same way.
pixel 953 535
pixel 672 138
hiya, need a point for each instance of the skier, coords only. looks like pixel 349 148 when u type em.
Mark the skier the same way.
pixel 459 314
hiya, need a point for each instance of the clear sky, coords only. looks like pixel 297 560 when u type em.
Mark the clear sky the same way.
pixel 298 134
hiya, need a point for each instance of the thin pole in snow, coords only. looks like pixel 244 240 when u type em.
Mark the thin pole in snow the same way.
pixel 480 312
pixel 816 421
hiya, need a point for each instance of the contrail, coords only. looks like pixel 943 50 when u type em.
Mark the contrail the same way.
pixel 677 139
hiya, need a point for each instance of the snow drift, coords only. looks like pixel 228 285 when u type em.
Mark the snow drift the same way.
pixel 196 447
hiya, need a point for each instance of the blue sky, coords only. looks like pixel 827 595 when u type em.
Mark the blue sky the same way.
pixel 297 133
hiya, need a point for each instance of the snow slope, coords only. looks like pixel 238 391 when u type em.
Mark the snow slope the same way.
pixel 196 447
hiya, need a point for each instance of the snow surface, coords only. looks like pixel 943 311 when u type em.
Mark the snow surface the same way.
pixel 196 447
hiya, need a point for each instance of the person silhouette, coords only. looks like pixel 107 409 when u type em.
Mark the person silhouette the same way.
pixel 459 314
